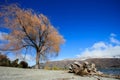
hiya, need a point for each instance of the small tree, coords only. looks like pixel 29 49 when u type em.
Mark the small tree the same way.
pixel 4 61
pixel 29 30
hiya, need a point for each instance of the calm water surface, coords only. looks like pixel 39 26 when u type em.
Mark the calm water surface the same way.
pixel 113 71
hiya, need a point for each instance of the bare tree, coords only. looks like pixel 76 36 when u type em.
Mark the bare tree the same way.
pixel 29 30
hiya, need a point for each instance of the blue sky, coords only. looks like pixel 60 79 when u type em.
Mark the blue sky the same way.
pixel 83 23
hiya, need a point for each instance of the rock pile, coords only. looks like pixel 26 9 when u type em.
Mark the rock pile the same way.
pixel 84 69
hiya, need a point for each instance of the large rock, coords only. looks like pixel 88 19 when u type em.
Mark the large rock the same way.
pixel 84 69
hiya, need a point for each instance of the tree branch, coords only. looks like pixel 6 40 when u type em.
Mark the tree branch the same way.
pixel 43 42
pixel 27 33
pixel 15 49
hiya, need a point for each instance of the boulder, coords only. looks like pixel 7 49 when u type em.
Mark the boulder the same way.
pixel 84 69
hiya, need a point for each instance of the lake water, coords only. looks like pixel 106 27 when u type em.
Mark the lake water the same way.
pixel 113 71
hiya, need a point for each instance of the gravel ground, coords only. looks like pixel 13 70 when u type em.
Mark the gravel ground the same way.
pixel 7 73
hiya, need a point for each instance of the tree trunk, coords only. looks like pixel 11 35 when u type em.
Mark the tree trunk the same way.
pixel 37 66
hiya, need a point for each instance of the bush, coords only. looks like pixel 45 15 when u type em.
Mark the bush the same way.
pixel 47 68
pixel 54 68
pixel 15 63
pixel 23 64
pixel 4 61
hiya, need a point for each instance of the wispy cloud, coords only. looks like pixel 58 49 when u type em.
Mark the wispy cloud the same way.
pixel 2 34
pixel 102 49
pixel 28 57
pixel 113 39
pixel 113 35
pixel 2 38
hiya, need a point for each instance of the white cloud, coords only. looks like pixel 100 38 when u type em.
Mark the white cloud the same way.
pixel 2 34
pixel 2 38
pixel 113 35
pixel 102 49
pixel 99 45
pixel 115 41
pixel 28 57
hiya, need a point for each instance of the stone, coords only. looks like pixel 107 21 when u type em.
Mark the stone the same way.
pixel 85 64
pixel 77 63
pixel 84 69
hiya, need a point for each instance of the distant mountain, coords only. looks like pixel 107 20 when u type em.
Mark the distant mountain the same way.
pixel 100 62
pixel 105 62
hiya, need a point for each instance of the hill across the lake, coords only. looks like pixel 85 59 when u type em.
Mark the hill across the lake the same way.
pixel 99 62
